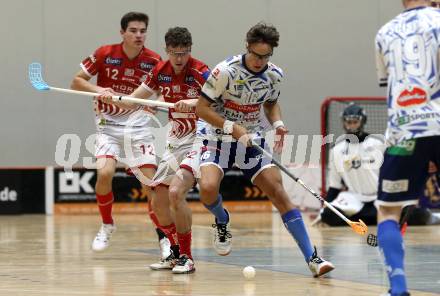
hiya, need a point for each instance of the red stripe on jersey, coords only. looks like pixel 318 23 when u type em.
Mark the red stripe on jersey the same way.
pixel 242 108
pixel 183 127
pixel 90 64
pixel 111 108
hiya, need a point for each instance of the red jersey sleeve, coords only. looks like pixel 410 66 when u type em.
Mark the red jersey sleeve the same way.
pixel 205 74
pixel 151 82
pixel 93 62
pixel 202 71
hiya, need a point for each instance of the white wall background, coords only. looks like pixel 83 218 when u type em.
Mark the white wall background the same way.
pixel 326 49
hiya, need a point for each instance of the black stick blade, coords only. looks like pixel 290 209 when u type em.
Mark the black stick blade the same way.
pixel 372 240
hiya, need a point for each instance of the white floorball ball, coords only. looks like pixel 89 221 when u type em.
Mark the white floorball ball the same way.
pixel 249 272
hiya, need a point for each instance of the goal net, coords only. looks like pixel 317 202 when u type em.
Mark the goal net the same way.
pixel 331 110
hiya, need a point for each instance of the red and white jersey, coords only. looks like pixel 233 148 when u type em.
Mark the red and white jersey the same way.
pixel 115 70
pixel 184 86
pixel 239 93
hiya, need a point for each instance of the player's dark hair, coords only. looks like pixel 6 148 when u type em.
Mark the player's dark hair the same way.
pixel 263 33
pixel 178 37
pixel 132 17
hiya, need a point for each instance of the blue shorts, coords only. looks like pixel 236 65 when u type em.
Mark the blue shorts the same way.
pixel 225 155
pixel 404 171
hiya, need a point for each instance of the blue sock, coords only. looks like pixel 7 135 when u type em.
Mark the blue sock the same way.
pixel 295 225
pixel 219 212
pixel 391 245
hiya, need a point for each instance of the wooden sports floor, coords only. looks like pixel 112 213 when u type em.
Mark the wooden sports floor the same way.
pixel 51 255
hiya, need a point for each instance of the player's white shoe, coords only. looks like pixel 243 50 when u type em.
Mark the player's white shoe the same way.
pixel 184 265
pixel 102 239
pixel 223 237
pixel 319 266
pixel 165 248
pixel 163 264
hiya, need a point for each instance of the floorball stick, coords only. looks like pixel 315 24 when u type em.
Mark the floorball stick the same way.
pixel 37 81
pixel 358 227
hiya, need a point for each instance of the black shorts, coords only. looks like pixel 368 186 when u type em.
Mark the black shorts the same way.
pixel 404 171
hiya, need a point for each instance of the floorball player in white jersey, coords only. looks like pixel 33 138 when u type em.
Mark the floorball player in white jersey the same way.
pixel 239 86
pixel 407 59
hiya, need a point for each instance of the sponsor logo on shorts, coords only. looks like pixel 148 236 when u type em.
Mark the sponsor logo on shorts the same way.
pixel 412 96
pixel 113 61
pixel 396 186
pixel 404 148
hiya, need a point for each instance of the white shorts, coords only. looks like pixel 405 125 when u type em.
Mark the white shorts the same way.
pixel 191 162
pixel 178 157
pixel 133 147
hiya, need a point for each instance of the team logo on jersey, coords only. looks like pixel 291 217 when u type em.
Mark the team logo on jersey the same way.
pixel 113 61
pixel 239 89
pixel 189 79
pixel 412 96
pixel 145 66
pixel 192 93
pixel 215 73
pixel 176 88
pixel 354 162
pixel 129 72
pixel 164 78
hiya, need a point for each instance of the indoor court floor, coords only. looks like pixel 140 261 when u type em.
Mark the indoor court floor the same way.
pixel 51 255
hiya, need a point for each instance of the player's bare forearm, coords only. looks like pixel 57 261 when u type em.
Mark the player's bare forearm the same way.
pixel 272 111
pixel 204 111
pixel 81 82
pixel 192 102
pixel 139 93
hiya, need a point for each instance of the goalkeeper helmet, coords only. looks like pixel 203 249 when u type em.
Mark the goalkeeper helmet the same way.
pixel 354 118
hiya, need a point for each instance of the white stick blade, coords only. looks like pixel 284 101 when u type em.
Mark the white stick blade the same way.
pixel 36 78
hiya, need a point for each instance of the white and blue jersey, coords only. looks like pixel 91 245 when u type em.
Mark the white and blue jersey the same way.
pixel 238 93
pixel 407 60
pixel 201 129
